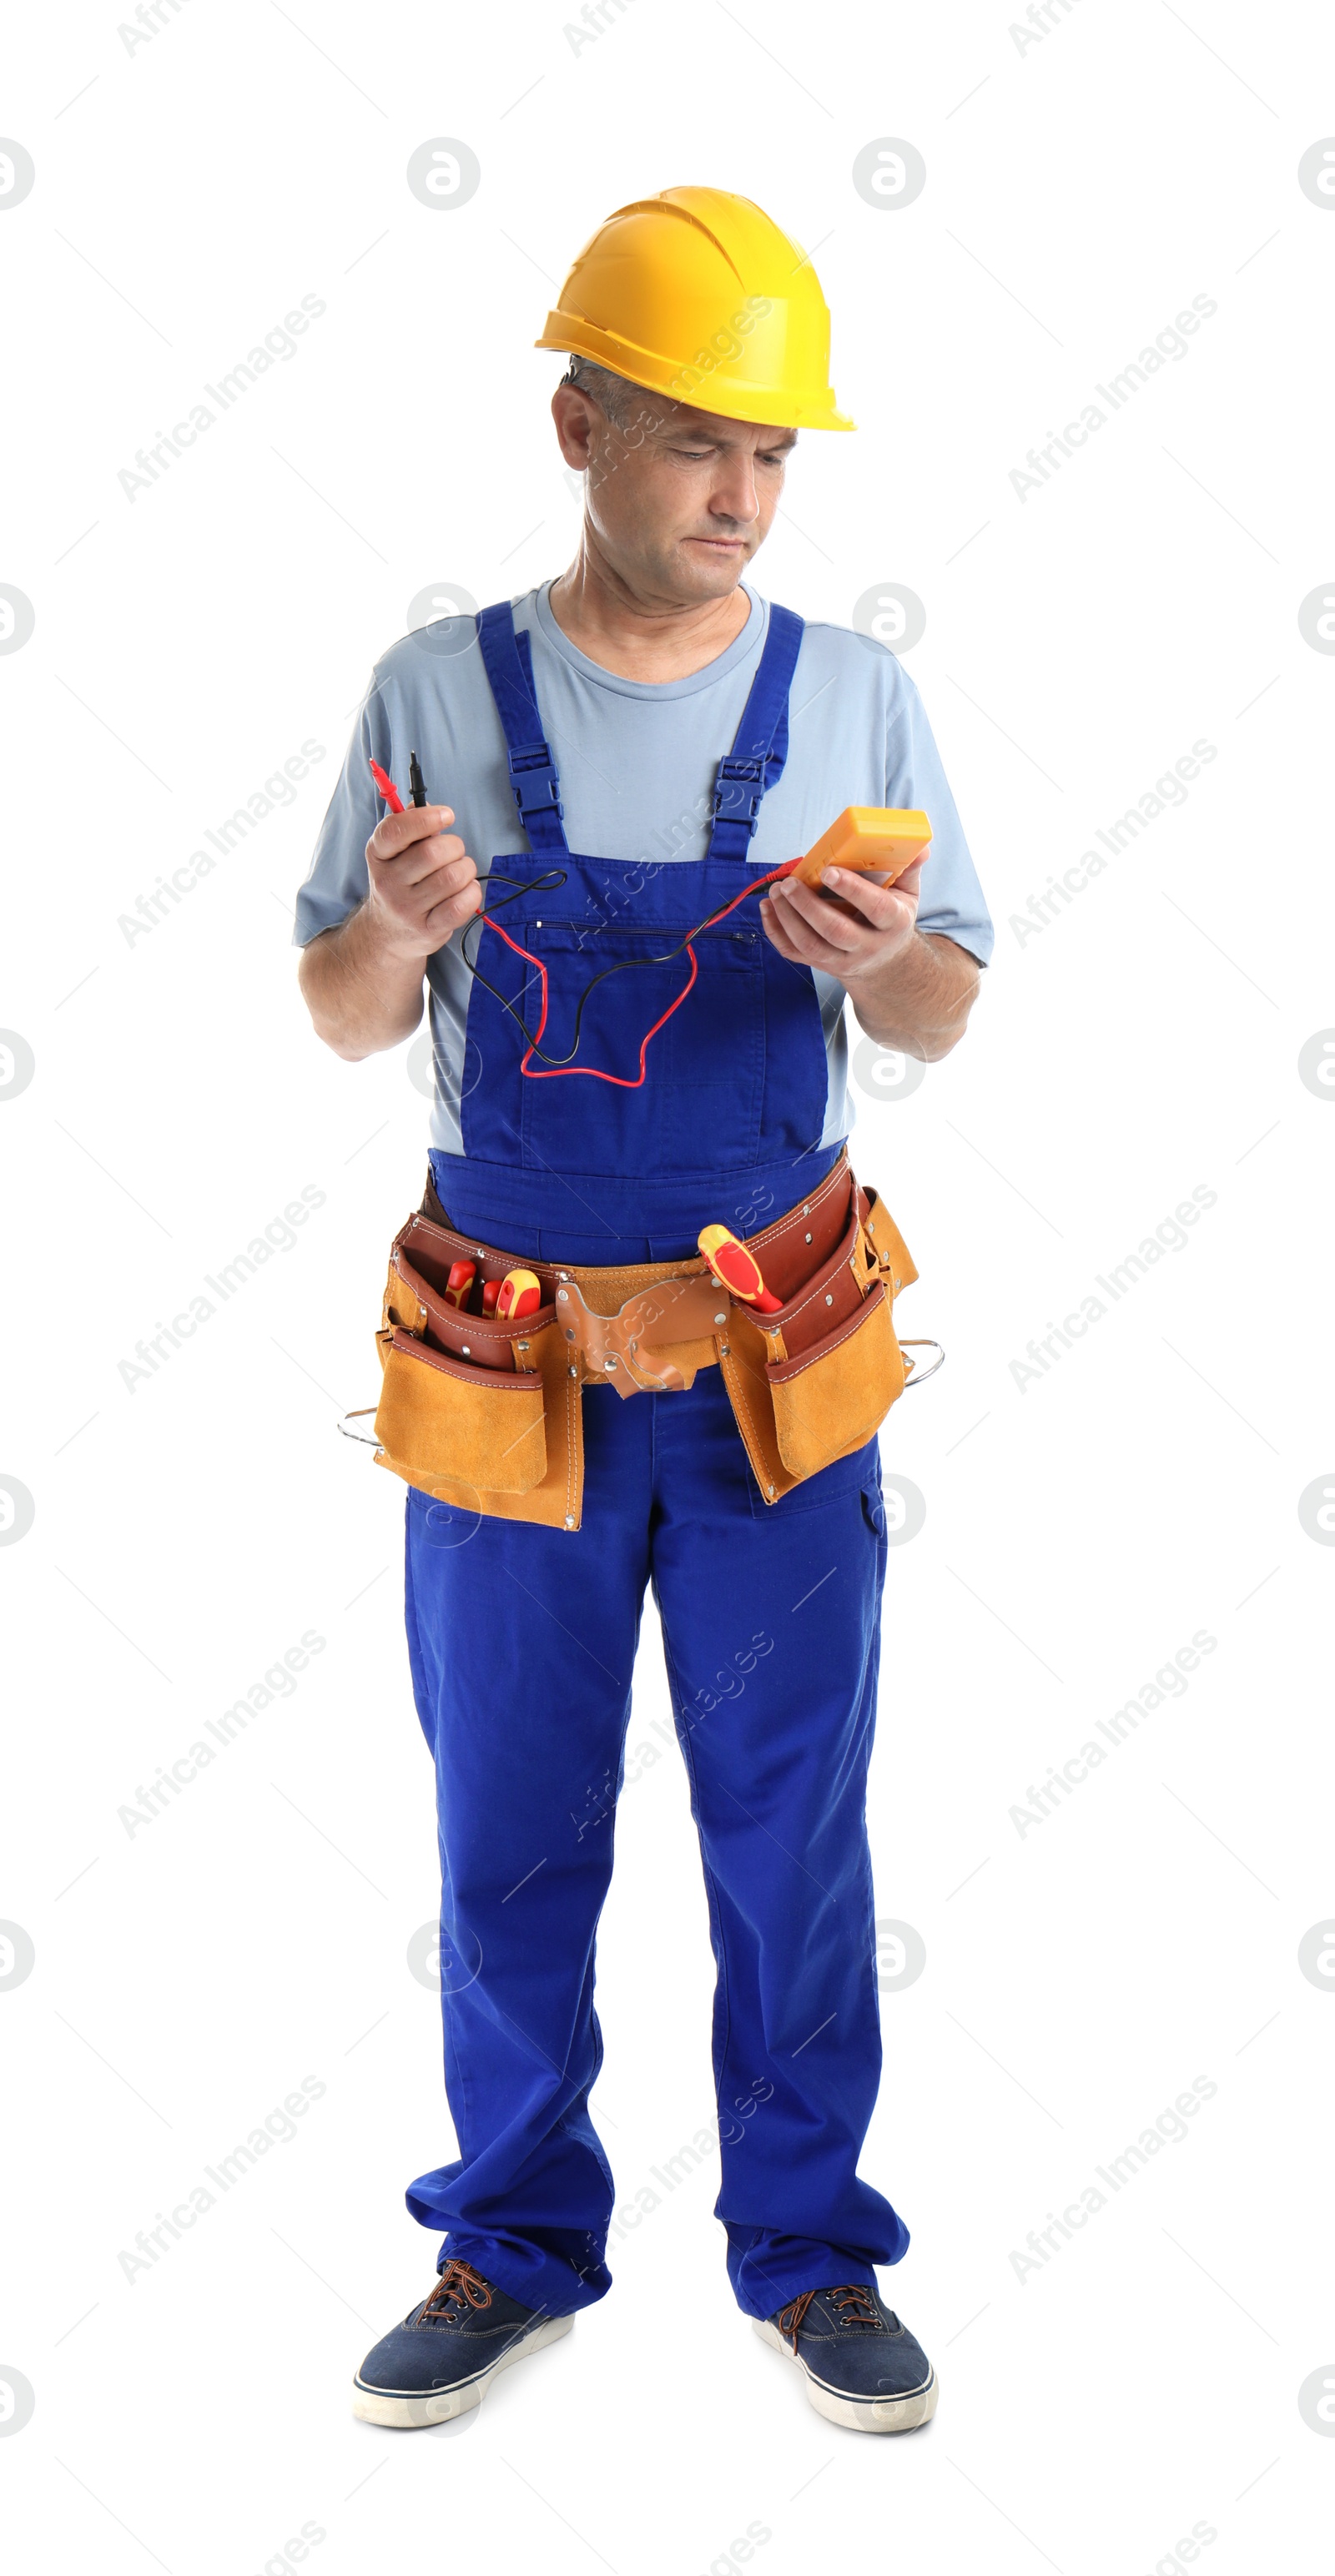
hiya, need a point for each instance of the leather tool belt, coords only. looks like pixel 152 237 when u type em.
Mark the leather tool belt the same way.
pixel 487 1415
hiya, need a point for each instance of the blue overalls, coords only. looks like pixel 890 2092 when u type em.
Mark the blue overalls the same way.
pixel 522 1639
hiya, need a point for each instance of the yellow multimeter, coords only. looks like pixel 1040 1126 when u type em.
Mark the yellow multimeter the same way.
pixel 884 838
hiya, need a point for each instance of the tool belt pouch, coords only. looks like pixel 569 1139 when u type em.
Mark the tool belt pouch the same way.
pixel 478 1413
pixel 814 1382
pixel 444 1422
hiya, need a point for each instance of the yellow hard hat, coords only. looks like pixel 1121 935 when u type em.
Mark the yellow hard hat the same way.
pixel 699 296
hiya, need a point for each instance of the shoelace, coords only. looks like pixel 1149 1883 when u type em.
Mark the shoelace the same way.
pixel 457 2281
pixel 854 2303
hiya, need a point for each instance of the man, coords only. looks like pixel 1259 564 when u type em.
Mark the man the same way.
pixel 599 1101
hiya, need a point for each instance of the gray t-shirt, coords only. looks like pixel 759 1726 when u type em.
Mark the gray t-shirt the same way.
pixel 637 761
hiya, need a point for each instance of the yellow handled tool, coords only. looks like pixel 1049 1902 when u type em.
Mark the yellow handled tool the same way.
pixel 737 1268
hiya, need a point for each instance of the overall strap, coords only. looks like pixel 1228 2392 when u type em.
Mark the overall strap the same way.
pixel 761 748
pixel 508 658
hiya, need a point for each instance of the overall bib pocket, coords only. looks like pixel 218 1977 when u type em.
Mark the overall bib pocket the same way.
pixel 710 1052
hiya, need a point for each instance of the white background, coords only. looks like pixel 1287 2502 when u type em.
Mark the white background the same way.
pixel 1079 194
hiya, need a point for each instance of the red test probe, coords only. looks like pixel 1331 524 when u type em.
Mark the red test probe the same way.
pixel 387 788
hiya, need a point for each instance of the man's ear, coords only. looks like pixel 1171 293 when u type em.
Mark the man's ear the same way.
pixel 576 416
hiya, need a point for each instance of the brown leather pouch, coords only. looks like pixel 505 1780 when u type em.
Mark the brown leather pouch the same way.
pixel 485 1426
pixel 487 1340
pixel 481 1414
pixel 813 1382
pixel 508 1446
pixel 832 1292
pixel 831 1398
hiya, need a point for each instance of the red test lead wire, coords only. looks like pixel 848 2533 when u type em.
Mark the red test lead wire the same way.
pixel 623 1081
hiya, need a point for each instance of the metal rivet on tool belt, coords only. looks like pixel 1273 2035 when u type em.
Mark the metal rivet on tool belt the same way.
pixel 570 1332
pixel 829 1302
pixel 770 1491
pixel 572 1372
pixel 563 1274
pixel 570 1520
pixel 806 1212
pixel 465 1352
pixel 720 1319
pixel 808 1238
pixel 609 1364
pixel 562 1296
pixel 725 1350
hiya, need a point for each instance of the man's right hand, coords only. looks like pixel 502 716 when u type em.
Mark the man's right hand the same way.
pixel 423 884
pixel 363 979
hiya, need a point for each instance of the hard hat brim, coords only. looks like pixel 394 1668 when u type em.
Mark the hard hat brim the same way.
pixel 715 390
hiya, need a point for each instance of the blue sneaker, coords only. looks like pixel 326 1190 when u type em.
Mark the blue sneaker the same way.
pixel 862 2367
pixel 445 2355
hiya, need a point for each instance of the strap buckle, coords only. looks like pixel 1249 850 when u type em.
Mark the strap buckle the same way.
pixel 533 779
pixel 738 788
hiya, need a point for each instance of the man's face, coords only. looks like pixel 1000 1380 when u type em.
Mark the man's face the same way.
pixel 678 500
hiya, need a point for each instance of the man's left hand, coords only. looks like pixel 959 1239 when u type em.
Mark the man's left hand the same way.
pixel 910 989
pixel 854 939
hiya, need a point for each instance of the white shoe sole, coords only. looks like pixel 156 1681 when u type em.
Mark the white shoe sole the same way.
pixel 859 2414
pixel 406 2409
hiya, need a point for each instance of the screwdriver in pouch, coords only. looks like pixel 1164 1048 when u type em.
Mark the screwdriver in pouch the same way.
pixel 736 1268
pixel 520 1295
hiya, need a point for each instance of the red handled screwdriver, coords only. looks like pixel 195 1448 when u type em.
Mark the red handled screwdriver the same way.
pixel 520 1294
pixel 736 1268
